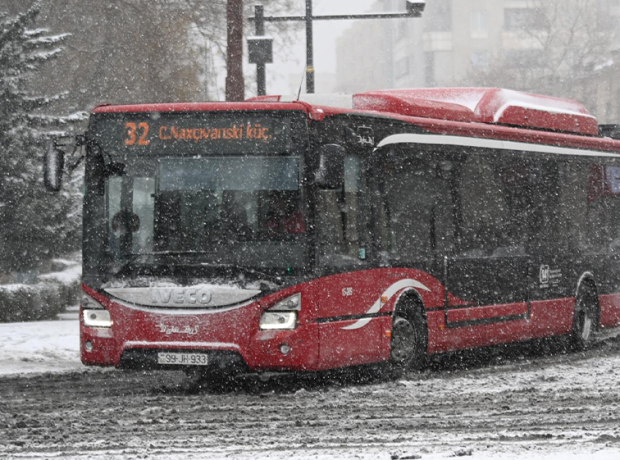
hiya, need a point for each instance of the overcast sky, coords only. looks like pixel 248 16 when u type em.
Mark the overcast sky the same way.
pixel 325 35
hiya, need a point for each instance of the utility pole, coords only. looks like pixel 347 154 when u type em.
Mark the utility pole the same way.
pixel 235 86
pixel 309 49
pixel 415 8
pixel 260 66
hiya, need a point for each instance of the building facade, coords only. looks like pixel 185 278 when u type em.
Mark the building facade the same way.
pixel 489 43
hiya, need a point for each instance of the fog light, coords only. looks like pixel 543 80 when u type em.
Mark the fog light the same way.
pixel 285 349
pixel 88 346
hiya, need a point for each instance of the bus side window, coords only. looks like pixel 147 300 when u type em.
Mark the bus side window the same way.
pixel 338 218
pixel 418 206
pixel 543 210
pixel 483 209
pixel 598 204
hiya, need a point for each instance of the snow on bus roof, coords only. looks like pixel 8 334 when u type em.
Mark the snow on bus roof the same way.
pixel 482 105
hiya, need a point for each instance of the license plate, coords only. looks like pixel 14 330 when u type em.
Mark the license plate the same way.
pixel 183 359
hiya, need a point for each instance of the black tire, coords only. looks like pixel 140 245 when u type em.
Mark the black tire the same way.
pixel 409 340
pixel 585 319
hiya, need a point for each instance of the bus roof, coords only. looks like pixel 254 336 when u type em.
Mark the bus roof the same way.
pixel 474 105
pixel 487 106
pixel 198 107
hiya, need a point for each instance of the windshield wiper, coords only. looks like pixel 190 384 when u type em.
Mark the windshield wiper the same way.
pixel 126 265
pixel 134 257
pixel 230 267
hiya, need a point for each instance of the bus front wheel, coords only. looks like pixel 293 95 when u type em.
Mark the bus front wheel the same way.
pixel 408 340
pixel 585 318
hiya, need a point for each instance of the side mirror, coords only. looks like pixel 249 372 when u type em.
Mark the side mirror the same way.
pixel 330 173
pixel 54 163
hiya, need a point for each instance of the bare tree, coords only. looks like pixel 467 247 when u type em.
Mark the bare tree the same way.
pixel 129 51
pixel 551 47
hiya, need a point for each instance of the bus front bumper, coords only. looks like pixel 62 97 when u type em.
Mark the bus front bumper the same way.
pixel 247 349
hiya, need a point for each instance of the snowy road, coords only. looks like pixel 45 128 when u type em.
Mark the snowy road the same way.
pixel 519 406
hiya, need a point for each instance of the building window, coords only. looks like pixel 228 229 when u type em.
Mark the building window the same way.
pixel 516 19
pixel 402 67
pixel 441 18
pixel 402 29
pixel 480 59
pixel 478 21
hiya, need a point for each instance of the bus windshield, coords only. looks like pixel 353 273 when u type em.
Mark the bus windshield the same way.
pixel 196 201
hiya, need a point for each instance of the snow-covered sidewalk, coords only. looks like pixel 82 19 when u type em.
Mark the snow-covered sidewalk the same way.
pixel 43 346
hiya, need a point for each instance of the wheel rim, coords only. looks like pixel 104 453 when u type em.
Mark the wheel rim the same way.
pixel 403 341
pixel 586 326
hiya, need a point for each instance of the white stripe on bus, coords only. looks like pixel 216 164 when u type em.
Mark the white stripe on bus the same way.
pixel 435 139
pixel 389 292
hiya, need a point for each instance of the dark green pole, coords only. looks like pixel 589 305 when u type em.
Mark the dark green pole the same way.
pixel 309 49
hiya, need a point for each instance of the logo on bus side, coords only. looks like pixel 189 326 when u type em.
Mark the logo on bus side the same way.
pixel 544 274
pixel 180 296
pixel 549 276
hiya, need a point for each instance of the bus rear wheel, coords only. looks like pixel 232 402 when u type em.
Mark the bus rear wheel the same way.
pixel 408 341
pixel 585 319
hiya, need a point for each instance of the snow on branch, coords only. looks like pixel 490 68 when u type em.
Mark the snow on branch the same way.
pixel 35 32
pixel 43 56
pixel 48 39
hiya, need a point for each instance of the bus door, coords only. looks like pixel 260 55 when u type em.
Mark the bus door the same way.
pixel 488 270
pixel 552 273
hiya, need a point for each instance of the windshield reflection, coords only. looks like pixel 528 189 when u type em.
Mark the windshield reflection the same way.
pixel 219 211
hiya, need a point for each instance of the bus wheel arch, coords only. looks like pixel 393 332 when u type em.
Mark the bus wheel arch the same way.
pixel 586 315
pixel 409 332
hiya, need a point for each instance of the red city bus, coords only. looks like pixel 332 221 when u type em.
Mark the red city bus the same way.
pixel 309 235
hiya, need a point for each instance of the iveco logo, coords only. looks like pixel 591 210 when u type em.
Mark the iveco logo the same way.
pixel 180 296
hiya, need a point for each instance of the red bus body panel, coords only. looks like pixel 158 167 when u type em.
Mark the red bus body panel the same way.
pixel 345 319
pixel 324 338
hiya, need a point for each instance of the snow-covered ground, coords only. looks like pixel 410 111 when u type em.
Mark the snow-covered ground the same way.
pixel 356 454
pixel 42 346
pixel 381 454
pixel 560 407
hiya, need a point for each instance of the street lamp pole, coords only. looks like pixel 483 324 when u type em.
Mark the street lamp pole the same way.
pixel 414 10
pixel 234 51
pixel 309 49
pixel 261 79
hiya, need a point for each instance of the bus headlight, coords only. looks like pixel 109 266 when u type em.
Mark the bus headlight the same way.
pixel 97 318
pixel 283 315
pixel 93 313
pixel 278 320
